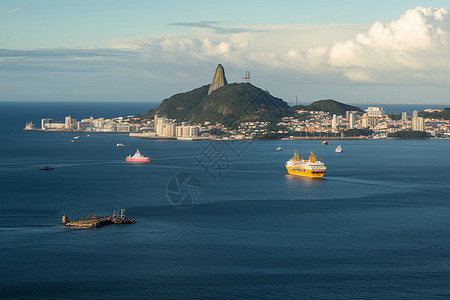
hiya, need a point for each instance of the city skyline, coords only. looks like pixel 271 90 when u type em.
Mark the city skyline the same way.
pixel 112 51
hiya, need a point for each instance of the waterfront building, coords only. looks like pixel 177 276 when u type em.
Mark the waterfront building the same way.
pixel 55 125
pixel 70 123
pixel 169 130
pixel 160 124
pixel 165 127
pixel 187 131
pixel 45 122
pixel 85 125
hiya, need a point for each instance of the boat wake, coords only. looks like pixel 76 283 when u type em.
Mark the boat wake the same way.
pixel 371 182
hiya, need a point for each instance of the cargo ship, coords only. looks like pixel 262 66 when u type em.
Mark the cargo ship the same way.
pixel 137 157
pixel 309 168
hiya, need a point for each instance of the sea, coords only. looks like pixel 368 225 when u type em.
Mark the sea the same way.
pixel 218 220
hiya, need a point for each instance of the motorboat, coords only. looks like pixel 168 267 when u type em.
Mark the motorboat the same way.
pixel 45 168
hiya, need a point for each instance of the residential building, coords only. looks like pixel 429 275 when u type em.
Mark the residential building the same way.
pixel 375 111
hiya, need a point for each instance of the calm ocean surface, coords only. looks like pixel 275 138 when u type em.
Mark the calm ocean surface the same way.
pixel 377 225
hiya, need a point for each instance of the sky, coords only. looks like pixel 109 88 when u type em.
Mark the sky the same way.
pixel 113 50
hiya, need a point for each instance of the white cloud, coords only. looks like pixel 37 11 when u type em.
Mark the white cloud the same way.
pixel 412 50
pixel 415 48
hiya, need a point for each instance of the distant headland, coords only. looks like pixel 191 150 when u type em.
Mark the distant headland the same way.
pixel 223 110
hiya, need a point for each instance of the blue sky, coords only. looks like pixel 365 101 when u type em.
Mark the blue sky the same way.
pixel 351 51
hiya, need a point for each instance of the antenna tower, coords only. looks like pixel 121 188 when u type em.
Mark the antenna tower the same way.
pixel 246 76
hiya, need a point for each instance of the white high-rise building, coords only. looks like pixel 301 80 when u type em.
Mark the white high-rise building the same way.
pixel 404 117
pixel 187 131
pixel 334 123
pixel 70 123
pixel 369 121
pixel 164 126
pixel 351 120
pixel 418 124
pixel 375 111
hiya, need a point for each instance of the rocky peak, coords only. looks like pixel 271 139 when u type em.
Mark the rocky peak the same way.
pixel 218 80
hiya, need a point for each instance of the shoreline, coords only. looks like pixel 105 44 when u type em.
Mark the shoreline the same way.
pixel 135 135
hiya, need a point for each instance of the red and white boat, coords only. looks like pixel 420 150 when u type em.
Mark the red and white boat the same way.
pixel 137 157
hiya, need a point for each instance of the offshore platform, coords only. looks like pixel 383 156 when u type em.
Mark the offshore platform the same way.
pixel 94 221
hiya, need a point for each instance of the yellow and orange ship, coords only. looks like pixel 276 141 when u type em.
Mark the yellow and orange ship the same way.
pixel 309 168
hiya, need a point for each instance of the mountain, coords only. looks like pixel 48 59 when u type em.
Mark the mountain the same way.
pixel 229 104
pixel 329 105
pixel 234 103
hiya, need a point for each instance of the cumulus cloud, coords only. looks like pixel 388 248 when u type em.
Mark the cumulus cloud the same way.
pixel 414 47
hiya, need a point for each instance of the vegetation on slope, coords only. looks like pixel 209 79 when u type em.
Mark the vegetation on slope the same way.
pixel 358 132
pixel 409 134
pixel 180 106
pixel 437 115
pixel 230 104
pixel 329 105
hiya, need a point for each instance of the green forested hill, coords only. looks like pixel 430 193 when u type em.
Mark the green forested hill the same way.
pixel 235 103
pixel 230 104
pixel 329 105
pixel 409 134
pixel 445 114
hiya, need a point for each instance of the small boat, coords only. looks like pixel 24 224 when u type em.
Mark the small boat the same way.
pixel 88 135
pixel 324 143
pixel 76 137
pixel 338 149
pixel 120 145
pixel 46 168
pixel 72 141
pixel 137 157
pixel 279 149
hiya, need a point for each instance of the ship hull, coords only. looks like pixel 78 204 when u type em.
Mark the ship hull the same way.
pixel 147 159
pixel 304 173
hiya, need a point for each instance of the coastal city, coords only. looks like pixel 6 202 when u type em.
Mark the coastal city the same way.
pixel 303 124
pixel 225 150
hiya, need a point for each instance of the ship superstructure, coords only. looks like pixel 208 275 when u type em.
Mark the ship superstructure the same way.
pixel 137 157
pixel 308 168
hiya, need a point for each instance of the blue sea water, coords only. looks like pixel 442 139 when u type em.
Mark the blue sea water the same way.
pixel 377 225
pixel 399 108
